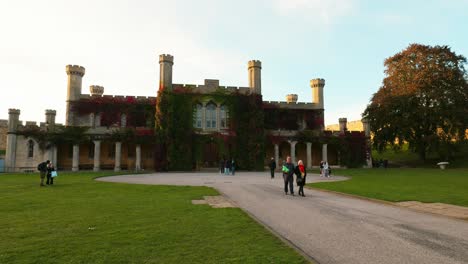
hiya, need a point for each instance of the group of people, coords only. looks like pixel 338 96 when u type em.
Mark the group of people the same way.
pixel 47 169
pixel 289 170
pixel 227 166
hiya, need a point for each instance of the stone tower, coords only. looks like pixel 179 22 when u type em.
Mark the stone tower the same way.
pixel 165 71
pixel 343 122
pixel 317 92
pixel 255 76
pixel 75 75
pixel 10 155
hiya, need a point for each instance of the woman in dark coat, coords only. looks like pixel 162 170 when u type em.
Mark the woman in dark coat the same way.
pixel 301 175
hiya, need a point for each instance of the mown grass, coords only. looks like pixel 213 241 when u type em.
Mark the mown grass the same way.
pixel 396 185
pixel 79 220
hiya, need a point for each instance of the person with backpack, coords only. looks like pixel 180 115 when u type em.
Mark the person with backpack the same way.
pixel 42 168
pixel 301 174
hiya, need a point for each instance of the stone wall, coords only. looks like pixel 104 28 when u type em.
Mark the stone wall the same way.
pixel 351 126
pixel 3 135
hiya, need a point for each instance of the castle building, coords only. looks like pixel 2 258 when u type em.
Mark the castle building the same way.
pixel 184 127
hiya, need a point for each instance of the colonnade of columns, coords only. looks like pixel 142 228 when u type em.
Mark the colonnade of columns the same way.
pixel 97 156
pixel 309 153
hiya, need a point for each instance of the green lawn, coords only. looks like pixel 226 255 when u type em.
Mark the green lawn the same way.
pixel 424 185
pixel 79 220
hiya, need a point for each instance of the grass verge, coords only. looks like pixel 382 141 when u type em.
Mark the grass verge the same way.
pixel 79 220
pixel 396 185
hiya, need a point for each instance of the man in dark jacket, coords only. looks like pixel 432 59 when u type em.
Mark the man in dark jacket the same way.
pixel 288 176
pixel 42 167
pixel 272 167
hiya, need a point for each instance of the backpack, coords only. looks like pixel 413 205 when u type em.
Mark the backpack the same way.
pixel 40 166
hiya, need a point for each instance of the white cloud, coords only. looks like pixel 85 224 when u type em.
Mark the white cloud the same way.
pixel 319 11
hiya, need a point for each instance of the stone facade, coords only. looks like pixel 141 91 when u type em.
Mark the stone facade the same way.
pixel 23 154
pixel 3 134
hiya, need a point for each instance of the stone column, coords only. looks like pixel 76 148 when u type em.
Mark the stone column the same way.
pixel 343 121
pixel 165 71
pixel 97 155
pixel 293 151
pixel 277 155
pixel 366 126
pixel 118 155
pixel 324 153
pixel 309 155
pixel 76 157
pixel 138 157
pixel 255 76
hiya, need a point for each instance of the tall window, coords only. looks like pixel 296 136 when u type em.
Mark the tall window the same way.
pixel 223 117
pixel 30 149
pixel 210 116
pixel 111 152
pixel 197 120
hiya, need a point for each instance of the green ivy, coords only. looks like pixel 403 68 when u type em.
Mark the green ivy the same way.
pixel 184 146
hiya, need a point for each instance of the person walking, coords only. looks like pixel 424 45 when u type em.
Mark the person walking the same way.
pixel 221 166
pixel 42 168
pixel 272 166
pixel 301 174
pixel 50 168
pixel 233 167
pixel 325 170
pixel 321 168
pixel 288 176
pixel 227 167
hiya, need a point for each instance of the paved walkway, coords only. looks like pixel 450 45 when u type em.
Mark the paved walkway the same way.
pixel 333 228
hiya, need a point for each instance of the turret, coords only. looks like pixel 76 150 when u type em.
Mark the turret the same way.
pixel 75 75
pixel 291 98
pixel 13 120
pixel 255 76
pixel 50 119
pixel 165 71
pixel 10 155
pixel 96 90
pixel 342 121
pixel 366 126
pixel 317 92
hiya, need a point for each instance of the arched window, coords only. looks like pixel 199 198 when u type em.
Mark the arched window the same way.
pixel 223 117
pixel 197 120
pixel 211 116
pixel 30 148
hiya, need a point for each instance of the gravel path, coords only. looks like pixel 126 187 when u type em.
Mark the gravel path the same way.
pixel 331 228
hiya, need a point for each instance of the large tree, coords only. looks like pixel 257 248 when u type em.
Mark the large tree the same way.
pixel 423 100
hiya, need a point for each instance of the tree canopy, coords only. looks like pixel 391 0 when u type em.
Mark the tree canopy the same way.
pixel 423 100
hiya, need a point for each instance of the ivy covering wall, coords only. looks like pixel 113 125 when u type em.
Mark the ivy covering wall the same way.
pixel 243 140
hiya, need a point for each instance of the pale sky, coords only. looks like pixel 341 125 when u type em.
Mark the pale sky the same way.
pixel 118 42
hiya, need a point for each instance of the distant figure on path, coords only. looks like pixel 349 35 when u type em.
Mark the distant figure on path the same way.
pixel 288 176
pixel 227 167
pixel 325 170
pixel 272 166
pixel 301 174
pixel 233 167
pixel 321 168
pixel 42 168
pixel 221 166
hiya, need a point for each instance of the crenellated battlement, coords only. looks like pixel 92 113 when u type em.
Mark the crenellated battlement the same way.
pixel 3 123
pixel 254 63
pixel 13 111
pixel 317 83
pixel 166 58
pixel 50 112
pixel 206 89
pixel 291 105
pixel 75 70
